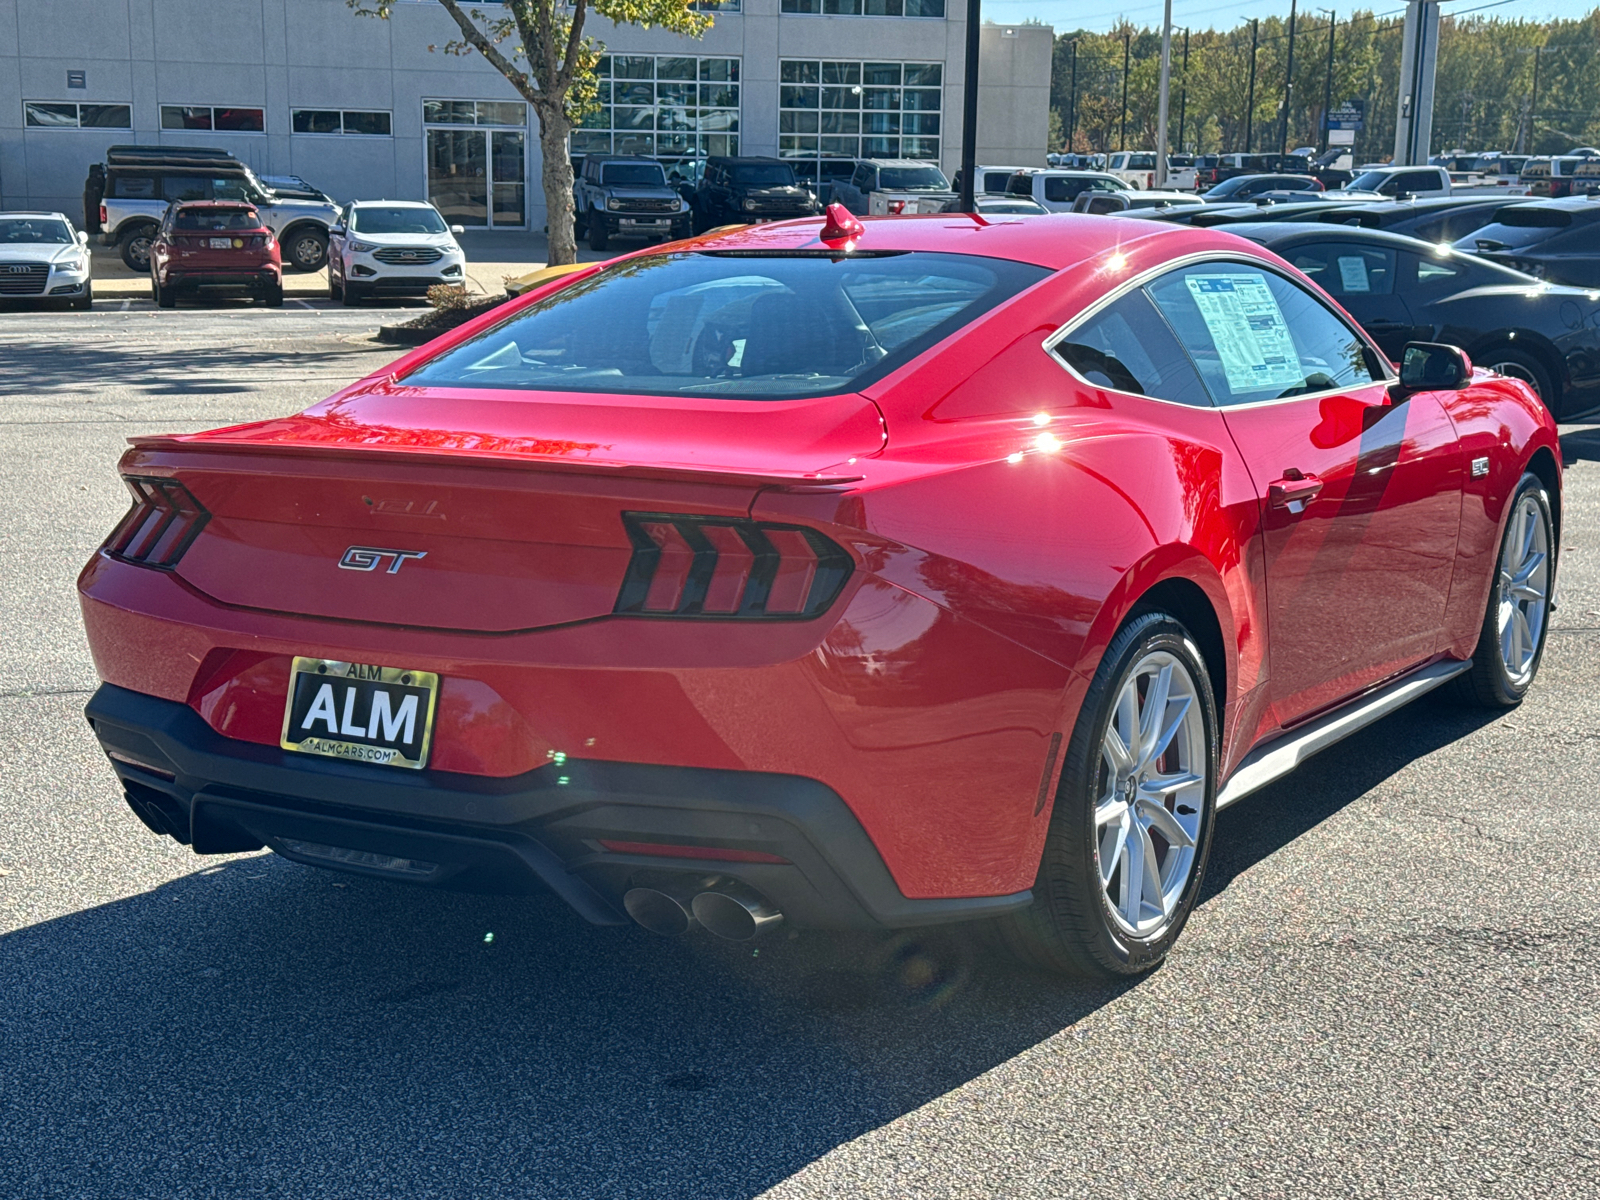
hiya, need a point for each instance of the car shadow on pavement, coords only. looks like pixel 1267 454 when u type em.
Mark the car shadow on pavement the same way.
pixel 259 1027
pixel 1580 444
pixel 151 368
pixel 1266 821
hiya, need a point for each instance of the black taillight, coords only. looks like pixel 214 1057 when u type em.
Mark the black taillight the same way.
pixel 164 519
pixel 722 567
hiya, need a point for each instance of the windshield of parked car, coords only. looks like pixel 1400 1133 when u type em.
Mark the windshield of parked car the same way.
pixel 632 175
pixel 1368 181
pixel 747 326
pixel 398 219
pixel 763 175
pixel 912 179
pixel 217 219
pixel 34 231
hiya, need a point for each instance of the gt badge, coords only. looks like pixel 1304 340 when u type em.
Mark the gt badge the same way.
pixel 370 558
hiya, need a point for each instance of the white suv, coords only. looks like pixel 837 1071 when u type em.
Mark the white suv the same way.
pixel 398 247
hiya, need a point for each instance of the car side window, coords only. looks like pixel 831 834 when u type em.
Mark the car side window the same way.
pixel 862 178
pixel 184 187
pixel 1129 347
pixel 134 187
pixel 1346 268
pixel 229 189
pixel 1255 335
pixel 1056 190
pixel 1435 277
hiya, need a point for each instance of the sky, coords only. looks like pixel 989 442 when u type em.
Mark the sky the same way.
pixel 1224 14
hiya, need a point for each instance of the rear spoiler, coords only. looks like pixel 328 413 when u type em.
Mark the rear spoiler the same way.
pixel 172 450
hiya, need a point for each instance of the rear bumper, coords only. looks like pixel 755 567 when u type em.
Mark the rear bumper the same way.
pixel 512 834
pixel 235 277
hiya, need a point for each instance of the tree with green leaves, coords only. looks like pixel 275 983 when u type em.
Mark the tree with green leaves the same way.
pixel 542 50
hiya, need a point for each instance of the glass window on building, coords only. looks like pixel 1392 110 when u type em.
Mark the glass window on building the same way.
pixel 477 161
pixel 667 106
pixel 359 123
pixel 866 8
pixel 52 114
pixel 830 112
pixel 215 118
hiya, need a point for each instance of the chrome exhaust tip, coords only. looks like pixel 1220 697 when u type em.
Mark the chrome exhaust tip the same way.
pixel 659 911
pixel 737 916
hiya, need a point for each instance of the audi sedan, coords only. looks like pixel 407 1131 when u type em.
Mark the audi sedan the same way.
pixel 847 573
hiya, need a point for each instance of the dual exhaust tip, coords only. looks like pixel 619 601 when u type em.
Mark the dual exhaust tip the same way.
pixel 725 907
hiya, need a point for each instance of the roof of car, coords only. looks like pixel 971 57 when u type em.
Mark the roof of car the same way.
pixel 214 204
pixel 391 203
pixel 1278 231
pixel 1056 241
pixel 620 158
pixel 742 158
pixel 30 212
pixel 898 162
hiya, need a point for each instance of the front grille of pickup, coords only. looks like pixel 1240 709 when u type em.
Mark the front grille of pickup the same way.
pixel 779 204
pixel 648 206
pixel 23 279
pixel 405 256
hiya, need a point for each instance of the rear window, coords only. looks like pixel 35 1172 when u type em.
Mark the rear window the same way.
pixel 758 327
pixel 217 218
pixel 903 179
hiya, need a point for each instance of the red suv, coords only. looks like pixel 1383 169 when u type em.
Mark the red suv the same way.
pixel 215 243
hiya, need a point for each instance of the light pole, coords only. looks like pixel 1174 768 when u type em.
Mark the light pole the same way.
pixel 1250 104
pixel 969 110
pixel 1122 139
pixel 1327 90
pixel 1160 179
pixel 1288 87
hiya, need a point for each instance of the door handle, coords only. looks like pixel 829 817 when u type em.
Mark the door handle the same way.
pixel 1377 327
pixel 1294 491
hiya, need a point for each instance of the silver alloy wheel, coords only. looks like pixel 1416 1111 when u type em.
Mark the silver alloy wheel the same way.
pixel 1152 787
pixel 1516 370
pixel 139 248
pixel 308 252
pixel 1524 588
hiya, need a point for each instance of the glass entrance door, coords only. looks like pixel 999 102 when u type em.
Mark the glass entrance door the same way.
pixel 458 175
pixel 477 176
pixel 507 174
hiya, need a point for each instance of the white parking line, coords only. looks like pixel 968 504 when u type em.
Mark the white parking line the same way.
pixel 124 307
pixel 304 305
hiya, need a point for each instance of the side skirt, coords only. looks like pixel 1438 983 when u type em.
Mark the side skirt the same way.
pixel 1276 759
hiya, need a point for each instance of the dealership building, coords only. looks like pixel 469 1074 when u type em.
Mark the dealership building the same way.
pixel 363 109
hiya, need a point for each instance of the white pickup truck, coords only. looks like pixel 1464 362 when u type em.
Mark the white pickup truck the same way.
pixel 882 187
pixel 1392 183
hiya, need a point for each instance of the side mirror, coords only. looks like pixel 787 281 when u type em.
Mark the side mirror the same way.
pixel 458 229
pixel 1431 367
pixel 83 238
pixel 337 231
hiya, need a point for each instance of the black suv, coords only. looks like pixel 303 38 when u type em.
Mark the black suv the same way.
pixel 747 190
pixel 626 197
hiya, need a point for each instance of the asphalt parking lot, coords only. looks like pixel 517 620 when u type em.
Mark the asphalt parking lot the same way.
pixel 1392 987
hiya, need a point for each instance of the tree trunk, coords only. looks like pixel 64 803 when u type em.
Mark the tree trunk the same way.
pixel 553 130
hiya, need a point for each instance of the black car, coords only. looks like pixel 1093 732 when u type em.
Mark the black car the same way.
pixel 1404 290
pixel 1254 211
pixel 744 190
pixel 1430 219
pixel 1242 187
pixel 1555 240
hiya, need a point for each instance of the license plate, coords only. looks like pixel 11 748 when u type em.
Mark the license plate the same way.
pixel 221 243
pixel 652 221
pixel 360 712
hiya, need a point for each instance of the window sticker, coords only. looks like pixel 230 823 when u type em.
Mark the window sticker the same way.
pixel 1353 273
pixel 1249 331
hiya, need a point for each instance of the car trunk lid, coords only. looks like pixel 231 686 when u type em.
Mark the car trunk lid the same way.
pixel 461 511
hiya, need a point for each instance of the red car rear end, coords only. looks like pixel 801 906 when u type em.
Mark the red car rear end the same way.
pixel 215 244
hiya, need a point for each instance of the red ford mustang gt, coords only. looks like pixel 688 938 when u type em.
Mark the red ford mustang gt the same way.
pixel 883 574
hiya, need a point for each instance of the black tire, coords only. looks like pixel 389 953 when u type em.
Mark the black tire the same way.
pixel 305 249
pixel 351 295
pixel 272 297
pixel 598 233
pixel 1070 927
pixel 1489 683
pixel 1519 364
pixel 335 287
pixel 86 301
pixel 134 245
pixel 166 297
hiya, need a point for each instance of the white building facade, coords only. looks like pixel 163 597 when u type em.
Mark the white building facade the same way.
pixel 362 108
